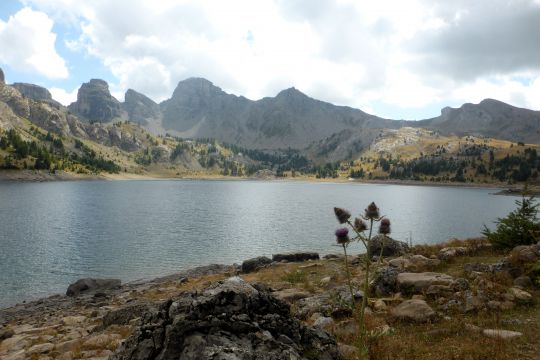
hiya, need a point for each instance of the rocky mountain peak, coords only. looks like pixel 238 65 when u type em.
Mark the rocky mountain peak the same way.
pixel 95 102
pixel 2 78
pixel 197 87
pixel 139 107
pixel 34 92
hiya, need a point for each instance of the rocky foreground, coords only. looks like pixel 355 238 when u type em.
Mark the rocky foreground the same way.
pixel 460 302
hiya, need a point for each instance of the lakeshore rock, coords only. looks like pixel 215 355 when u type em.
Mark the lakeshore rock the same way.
pixel 254 264
pixel 390 247
pixel 413 310
pixel 452 252
pixel 419 282
pixel 229 320
pixel 296 257
pixel 90 285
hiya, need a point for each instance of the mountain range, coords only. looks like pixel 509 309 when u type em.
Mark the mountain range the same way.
pixel 291 119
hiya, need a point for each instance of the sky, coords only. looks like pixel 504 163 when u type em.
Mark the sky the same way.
pixel 395 59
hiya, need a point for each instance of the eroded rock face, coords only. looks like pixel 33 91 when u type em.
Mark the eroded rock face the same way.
pixel 95 102
pixel 140 108
pixel 229 320
pixel 2 78
pixel 35 92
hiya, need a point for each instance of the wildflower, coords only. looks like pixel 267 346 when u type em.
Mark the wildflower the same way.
pixel 384 228
pixel 359 225
pixel 372 212
pixel 342 235
pixel 342 215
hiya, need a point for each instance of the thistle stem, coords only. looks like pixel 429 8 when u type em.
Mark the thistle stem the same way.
pixel 383 237
pixel 348 276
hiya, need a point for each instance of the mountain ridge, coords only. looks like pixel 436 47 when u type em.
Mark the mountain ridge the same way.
pixel 198 108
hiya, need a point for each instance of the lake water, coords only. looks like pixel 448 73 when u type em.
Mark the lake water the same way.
pixel 52 234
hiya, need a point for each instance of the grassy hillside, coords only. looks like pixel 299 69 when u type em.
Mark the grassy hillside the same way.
pixel 424 155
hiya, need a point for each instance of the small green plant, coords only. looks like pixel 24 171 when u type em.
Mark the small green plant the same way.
pixel 360 228
pixel 520 227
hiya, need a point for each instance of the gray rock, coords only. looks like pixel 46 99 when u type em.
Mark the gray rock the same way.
pixel 523 281
pixel 296 257
pixel 452 252
pixel 413 311
pixel 229 320
pixel 525 254
pixel 390 246
pixel 2 78
pixel 90 285
pixel 255 264
pixel 384 281
pixel 124 315
pixel 419 282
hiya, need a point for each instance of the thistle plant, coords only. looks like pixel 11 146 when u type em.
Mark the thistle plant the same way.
pixel 363 233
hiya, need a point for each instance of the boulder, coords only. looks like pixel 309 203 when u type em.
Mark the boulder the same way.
pixel 525 254
pixel 390 246
pixel 451 252
pixel 523 281
pixel 296 257
pixel 229 320
pixel 384 281
pixel 89 285
pixel 413 311
pixel 255 264
pixel 520 295
pixel 419 282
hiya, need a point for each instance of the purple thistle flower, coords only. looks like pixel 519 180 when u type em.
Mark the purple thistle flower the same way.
pixel 372 212
pixel 342 235
pixel 360 225
pixel 342 215
pixel 384 228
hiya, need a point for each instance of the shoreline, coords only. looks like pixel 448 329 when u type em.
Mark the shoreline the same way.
pixel 41 176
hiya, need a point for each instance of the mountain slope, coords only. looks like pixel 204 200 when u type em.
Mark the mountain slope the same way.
pixel 490 118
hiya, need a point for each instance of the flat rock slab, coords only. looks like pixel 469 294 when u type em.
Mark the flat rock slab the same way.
pixel 419 282
pixel 501 334
pixel 413 310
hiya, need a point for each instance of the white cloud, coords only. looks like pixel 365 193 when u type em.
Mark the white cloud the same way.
pixel 27 44
pixel 62 96
pixel 407 55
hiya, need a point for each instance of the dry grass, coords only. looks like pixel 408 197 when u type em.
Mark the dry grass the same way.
pixel 446 339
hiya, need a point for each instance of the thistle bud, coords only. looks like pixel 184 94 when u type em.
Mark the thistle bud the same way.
pixel 342 215
pixel 342 236
pixel 359 225
pixel 384 228
pixel 372 212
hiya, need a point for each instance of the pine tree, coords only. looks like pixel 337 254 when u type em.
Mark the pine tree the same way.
pixel 520 227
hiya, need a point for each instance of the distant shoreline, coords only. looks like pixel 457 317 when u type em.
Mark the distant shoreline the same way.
pixel 43 176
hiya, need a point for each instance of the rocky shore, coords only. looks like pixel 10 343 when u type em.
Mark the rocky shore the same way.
pixel 459 301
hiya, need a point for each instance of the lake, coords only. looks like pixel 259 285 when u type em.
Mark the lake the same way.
pixel 52 234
